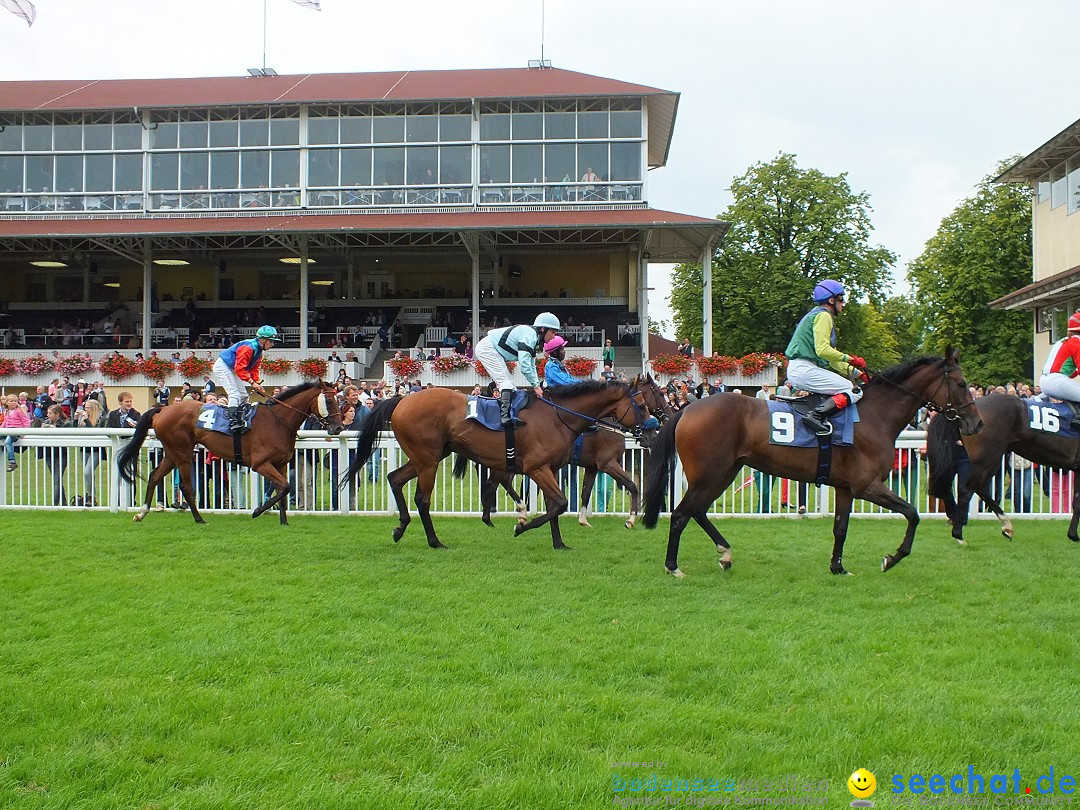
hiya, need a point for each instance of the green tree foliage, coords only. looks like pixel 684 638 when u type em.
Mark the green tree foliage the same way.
pixel 901 315
pixel 981 251
pixel 864 331
pixel 791 227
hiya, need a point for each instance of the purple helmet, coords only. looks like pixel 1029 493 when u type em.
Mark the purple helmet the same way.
pixel 827 289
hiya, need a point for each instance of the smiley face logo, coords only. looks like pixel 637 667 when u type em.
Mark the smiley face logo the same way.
pixel 862 784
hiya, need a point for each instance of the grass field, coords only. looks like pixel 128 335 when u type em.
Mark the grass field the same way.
pixel 245 665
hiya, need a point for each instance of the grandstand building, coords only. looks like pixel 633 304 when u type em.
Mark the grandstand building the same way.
pixel 1053 172
pixel 484 195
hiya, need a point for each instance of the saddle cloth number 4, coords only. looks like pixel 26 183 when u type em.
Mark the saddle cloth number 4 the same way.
pixel 206 419
pixel 1044 418
pixel 783 427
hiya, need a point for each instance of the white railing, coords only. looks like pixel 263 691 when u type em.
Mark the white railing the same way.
pixel 58 467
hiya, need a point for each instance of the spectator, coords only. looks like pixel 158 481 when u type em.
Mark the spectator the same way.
pixel 685 349
pixel 91 416
pixel 55 457
pixel 15 416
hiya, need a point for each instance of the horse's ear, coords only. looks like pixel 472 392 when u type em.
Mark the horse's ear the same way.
pixel 952 354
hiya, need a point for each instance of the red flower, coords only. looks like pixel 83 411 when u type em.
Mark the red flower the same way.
pixel 405 368
pixel 7 366
pixel 118 367
pixel 671 364
pixel 276 365
pixel 716 366
pixel 194 368
pixel 312 368
pixel 447 363
pixel 483 372
pixel 580 366
pixel 156 369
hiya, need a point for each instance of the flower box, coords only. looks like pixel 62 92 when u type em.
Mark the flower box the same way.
pixel 449 363
pixel 118 367
pixel 312 368
pixel 195 368
pixel 156 369
pixel 580 366
pixel 405 368
pixel 276 366
pixel 671 364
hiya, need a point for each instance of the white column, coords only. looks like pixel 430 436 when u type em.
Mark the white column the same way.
pixel 643 308
pixel 147 282
pixel 303 296
pixel 706 301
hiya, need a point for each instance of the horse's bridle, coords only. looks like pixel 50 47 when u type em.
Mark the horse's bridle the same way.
pixel 323 420
pixel 950 412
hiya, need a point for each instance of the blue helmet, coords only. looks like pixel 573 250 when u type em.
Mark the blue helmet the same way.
pixel 824 290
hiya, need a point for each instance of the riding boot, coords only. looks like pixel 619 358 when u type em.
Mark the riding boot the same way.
pixel 818 418
pixel 505 399
pixel 236 419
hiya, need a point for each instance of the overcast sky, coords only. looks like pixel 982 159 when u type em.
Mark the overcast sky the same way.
pixel 915 100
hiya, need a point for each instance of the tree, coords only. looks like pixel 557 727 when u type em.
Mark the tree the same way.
pixel 901 316
pixel 790 228
pixel 981 251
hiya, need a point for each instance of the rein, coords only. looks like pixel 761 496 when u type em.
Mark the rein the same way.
pixel 600 424
pixel 950 412
pixel 272 401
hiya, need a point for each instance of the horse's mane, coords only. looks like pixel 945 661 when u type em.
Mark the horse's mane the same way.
pixel 583 387
pixel 899 373
pixel 292 391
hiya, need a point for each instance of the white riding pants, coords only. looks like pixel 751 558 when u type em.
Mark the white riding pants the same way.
pixel 494 363
pixel 808 376
pixel 233 385
pixel 1059 386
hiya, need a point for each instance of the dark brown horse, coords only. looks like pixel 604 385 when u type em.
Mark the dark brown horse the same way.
pixel 601 451
pixel 716 436
pixel 267 448
pixel 1007 429
pixel 431 424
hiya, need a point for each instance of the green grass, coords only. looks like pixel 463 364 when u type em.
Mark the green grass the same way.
pixel 245 665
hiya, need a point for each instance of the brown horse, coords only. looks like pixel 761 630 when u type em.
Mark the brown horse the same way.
pixel 715 437
pixel 431 424
pixel 1008 429
pixel 267 448
pixel 601 451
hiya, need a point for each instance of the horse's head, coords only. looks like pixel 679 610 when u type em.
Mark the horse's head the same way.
pixel 945 389
pixel 324 407
pixel 637 416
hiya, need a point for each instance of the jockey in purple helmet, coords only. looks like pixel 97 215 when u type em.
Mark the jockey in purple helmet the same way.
pixel 814 362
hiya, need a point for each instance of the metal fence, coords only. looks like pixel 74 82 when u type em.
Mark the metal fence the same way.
pixel 74 468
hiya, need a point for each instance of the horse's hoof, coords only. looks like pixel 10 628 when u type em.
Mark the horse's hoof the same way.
pixel 887 562
pixel 676 573
pixel 488 523
pixel 519 527
pixel 436 544
pixel 840 571
pixel 1075 538
pixel 960 541
pixel 1007 534
pixel 398 533
pixel 562 547
pixel 629 524
pixel 201 521
pixel 725 565
pixel 584 523
pixel 137 518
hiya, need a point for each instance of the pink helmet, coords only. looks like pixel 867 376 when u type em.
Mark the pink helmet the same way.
pixel 1074 324
pixel 554 344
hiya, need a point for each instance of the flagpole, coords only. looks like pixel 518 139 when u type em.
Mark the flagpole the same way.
pixel 264 35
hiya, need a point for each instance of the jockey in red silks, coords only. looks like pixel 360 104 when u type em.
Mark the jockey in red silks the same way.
pixel 1061 374
pixel 239 364
pixel 815 364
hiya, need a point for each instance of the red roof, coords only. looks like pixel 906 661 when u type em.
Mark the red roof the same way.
pixel 328 223
pixel 415 85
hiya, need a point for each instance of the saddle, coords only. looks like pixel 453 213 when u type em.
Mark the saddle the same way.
pixel 806 403
pixel 485 410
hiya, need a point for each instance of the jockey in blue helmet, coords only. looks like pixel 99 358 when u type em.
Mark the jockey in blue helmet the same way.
pixel 814 362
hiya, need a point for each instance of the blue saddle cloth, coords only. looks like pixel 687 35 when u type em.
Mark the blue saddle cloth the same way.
pixel 1052 417
pixel 787 428
pixel 212 417
pixel 485 410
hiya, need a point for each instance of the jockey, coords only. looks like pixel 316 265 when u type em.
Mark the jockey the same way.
pixel 1061 375
pixel 239 364
pixel 515 343
pixel 815 362
pixel 555 372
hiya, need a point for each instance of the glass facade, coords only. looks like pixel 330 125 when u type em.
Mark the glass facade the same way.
pixel 330 156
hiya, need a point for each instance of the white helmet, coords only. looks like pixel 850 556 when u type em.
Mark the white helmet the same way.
pixel 547 320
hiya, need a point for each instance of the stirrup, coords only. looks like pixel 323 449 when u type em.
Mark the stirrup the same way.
pixel 822 428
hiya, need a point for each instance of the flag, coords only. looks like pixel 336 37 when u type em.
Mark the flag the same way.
pixel 26 10
pixel 305 3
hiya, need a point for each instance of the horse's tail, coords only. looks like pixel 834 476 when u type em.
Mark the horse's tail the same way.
pixel 661 466
pixel 129 456
pixel 375 421
pixel 941 439
pixel 461 466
